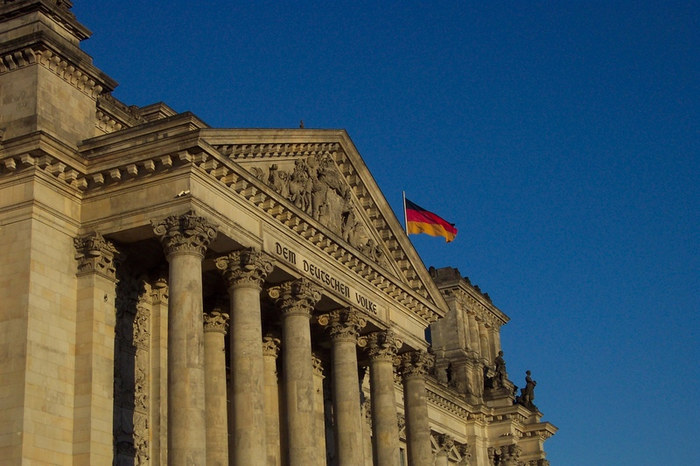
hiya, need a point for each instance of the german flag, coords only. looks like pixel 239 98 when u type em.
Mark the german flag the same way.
pixel 419 220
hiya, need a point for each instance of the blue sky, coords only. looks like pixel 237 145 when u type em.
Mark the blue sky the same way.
pixel 563 139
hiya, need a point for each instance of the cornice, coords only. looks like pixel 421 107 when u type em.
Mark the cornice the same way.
pixel 37 49
pixel 471 301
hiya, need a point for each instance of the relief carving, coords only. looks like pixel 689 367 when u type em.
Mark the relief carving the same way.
pixel 316 186
pixel 296 297
pixel 343 324
pixel 245 267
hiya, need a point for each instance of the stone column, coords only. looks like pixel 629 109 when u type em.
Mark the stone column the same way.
pixel 381 347
pixel 414 367
pixel 343 327
pixel 245 271
pixel 271 348
pixel 297 299
pixel 94 351
pixel 215 325
pixel 185 239
pixel 159 371
pixel 445 443
pixel 319 412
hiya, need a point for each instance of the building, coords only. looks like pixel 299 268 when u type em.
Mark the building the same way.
pixel 175 293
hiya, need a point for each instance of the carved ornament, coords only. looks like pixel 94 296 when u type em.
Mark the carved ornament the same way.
pixel 382 345
pixel 296 297
pixel 343 324
pixel 215 321
pixel 187 233
pixel 445 443
pixel 271 346
pixel 415 363
pixel 246 267
pixel 96 255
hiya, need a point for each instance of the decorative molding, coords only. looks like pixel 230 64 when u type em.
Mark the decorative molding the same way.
pixel 187 233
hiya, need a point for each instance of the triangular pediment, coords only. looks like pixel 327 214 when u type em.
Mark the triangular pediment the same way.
pixel 320 173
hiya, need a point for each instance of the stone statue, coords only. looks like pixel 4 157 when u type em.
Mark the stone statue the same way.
pixel 501 375
pixel 527 394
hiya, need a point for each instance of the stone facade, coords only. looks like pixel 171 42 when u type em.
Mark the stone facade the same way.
pixel 172 293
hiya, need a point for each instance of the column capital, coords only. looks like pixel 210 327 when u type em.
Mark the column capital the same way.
pixel 343 324
pixel 96 255
pixel 297 297
pixel 415 363
pixel 382 345
pixel 246 267
pixel 464 453
pixel 271 346
pixel 445 442
pixel 318 365
pixel 186 233
pixel 215 321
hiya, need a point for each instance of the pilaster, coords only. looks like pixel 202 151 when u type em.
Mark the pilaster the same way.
pixel 94 351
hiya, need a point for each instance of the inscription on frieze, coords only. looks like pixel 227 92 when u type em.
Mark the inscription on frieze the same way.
pixel 326 278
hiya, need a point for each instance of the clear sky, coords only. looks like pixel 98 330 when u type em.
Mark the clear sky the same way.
pixel 562 137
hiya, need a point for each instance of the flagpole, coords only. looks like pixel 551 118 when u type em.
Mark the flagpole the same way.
pixel 405 217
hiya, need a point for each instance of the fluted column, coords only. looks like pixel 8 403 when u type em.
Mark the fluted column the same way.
pixel 414 367
pixel 381 348
pixel 94 353
pixel 343 327
pixel 296 300
pixel 185 239
pixel 215 325
pixel 271 348
pixel 245 272
pixel 445 443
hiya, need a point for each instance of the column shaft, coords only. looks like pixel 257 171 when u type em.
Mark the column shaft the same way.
pixel 272 394
pixel 215 324
pixel 185 240
pixel 299 388
pixel 346 401
pixel 296 300
pixel 415 365
pixel 385 439
pixel 186 424
pixel 245 272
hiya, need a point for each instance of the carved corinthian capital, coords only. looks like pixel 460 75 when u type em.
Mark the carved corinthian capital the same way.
pixel 383 345
pixel 415 363
pixel 216 321
pixel 445 443
pixel 185 233
pixel 343 324
pixel 296 297
pixel 246 267
pixel 271 346
pixel 95 255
